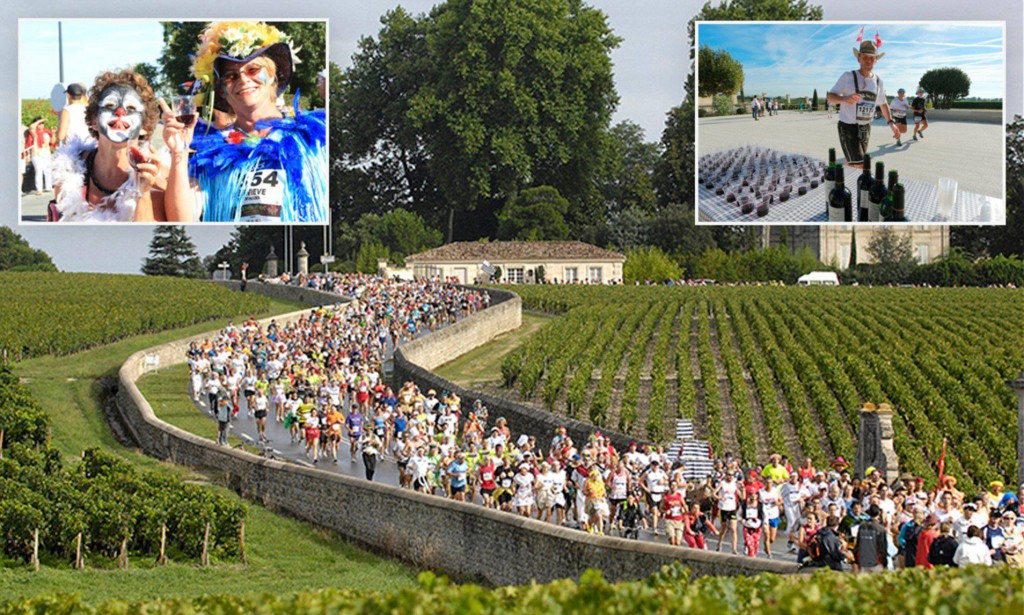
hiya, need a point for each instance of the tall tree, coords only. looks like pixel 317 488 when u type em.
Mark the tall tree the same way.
pixel 534 214
pixel 380 154
pixel 172 253
pixel 945 85
pixel 626 175
pixel 17 255
pixel 720 73
pixel 853 249
pixel 496 95
pixel 892 253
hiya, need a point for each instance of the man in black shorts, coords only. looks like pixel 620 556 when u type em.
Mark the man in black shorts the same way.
pixel 920 114
pixel 857 93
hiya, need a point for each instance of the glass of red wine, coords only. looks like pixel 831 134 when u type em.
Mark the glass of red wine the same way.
pixel 184 110
pixel 138 151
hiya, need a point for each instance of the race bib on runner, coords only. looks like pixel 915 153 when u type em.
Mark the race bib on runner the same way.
pixel 487 476
pixel 264 196
pixel 865 111
pixel 675 511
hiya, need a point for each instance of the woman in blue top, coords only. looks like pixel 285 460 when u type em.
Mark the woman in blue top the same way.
pixel 263 168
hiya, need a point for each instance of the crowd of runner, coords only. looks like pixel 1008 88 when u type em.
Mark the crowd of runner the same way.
pixel 321 376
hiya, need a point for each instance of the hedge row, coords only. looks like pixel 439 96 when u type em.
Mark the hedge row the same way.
pixel 673 590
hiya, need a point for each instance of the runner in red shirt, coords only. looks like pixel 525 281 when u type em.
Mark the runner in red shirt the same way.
pixel 487 484
pixel 674 507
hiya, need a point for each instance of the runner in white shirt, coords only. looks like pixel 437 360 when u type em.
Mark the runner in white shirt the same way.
pixel 729 494
pixel 792 496
pixel 899 106
pixel 655 484
pixel 771 501
pixel 857 93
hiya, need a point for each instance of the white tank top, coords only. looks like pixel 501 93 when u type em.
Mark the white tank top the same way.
pixel 727 498
pixel 76 122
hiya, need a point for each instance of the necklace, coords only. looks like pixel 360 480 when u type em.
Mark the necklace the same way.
pixel 92 178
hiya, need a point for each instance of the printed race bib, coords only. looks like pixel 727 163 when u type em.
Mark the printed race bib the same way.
pixel 865 111
pixel 487 476
pixel 264 195
pixel 794 498
pixel 898 114
pixel 675 511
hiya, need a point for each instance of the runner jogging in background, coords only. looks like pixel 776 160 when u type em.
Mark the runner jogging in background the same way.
pixel 899 106
pixel 857 93
pixel 920 114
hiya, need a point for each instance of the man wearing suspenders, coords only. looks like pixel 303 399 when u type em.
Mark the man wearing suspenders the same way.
pixel 857 93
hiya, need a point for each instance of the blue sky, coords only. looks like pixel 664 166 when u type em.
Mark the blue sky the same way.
pixel 792 58
pixel 125 43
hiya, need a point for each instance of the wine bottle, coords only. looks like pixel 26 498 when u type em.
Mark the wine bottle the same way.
pixel 886 208
pixel 877 193
pixel 898 199
pixel 830 175
pixel 863 191
pixel 840 204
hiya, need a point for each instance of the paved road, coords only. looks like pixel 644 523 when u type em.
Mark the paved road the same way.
pixel 968 151
pixel 283 448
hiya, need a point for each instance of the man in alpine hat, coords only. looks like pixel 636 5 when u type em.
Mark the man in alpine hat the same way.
pixel 857 93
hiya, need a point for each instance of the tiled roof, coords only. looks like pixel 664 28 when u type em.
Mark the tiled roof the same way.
pixel 515 250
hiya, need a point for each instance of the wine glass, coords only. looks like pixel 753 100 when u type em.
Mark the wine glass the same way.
pixel 184 110
pixel 137 149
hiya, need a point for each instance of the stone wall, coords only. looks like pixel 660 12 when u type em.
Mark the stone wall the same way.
pixel 298 294
pixel 463 540
pixel 414 360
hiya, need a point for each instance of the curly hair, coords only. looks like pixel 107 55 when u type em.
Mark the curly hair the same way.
pixel 131 79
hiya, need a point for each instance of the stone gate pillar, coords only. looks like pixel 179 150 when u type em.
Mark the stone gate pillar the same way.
pixel 875 442
pixel 303 255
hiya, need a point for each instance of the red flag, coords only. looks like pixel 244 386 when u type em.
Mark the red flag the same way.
pixel 878 41
pixel 860 37
pixel 942 462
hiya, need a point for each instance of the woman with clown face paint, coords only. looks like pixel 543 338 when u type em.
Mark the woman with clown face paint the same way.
pixel 263 168
pixel 93 177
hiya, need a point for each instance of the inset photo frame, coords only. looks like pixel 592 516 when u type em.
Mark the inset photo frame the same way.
pixel 173 121
pixel 788 110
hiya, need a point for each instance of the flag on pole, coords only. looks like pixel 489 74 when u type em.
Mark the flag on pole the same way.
pixel 860 37
pixel 878 41
pixel 942 462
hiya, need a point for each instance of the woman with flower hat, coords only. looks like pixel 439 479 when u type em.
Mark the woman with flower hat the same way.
pixel 263 167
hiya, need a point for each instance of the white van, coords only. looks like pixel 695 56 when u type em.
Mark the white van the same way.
pixel 819 278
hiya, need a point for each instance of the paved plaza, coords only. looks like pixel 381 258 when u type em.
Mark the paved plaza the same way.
pixel 970 152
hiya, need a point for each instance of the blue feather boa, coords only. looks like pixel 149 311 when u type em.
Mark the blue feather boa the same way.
pixel 298 145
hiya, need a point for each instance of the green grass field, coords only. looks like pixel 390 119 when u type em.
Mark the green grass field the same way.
pixel 483 364
pixel 285 555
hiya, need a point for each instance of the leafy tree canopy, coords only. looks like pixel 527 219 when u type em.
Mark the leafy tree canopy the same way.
pixel 720 73
pixel 534 214
pixel 945 85
pixel 17 255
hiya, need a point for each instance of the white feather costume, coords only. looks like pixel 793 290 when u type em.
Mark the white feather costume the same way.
pixel 69 176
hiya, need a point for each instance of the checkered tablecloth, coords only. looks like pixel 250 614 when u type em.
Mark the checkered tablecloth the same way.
pixel 920 206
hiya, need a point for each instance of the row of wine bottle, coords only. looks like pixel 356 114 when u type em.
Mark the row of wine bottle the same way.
pixel 875 201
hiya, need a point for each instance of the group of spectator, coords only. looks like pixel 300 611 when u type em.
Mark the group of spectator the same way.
pixel 322 377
